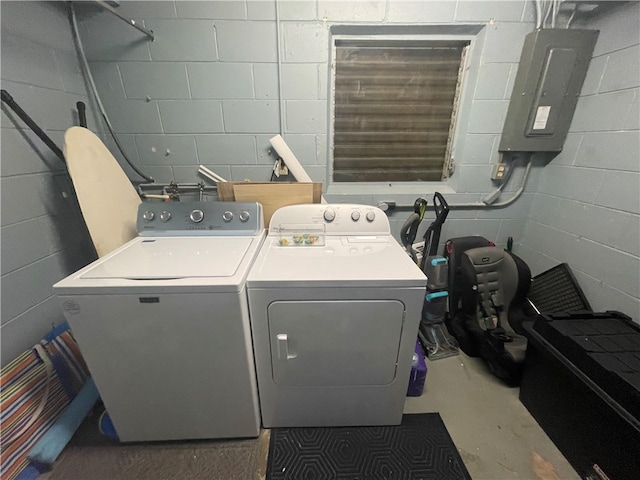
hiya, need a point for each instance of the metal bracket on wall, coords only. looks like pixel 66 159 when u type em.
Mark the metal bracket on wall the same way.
pixel 130 21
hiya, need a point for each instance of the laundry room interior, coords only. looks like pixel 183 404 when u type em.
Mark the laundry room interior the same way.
pixel 291 239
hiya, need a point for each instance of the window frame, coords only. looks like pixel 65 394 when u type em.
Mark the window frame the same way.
pixel 435 33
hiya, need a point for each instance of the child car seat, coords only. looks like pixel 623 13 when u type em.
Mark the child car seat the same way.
pixel 493 283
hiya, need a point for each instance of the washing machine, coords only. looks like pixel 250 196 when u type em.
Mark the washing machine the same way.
pixel 335 304
pixel 163 323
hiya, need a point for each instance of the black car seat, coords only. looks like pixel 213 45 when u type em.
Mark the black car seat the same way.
pixel 493 284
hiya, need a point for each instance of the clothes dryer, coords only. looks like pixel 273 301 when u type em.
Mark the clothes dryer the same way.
pixel 335 304
pixel 163 323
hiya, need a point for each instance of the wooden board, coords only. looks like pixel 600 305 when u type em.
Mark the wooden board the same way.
pixel 107 198
pixel 272 195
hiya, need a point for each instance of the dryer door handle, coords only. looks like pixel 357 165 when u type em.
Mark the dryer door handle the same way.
pixel 283 347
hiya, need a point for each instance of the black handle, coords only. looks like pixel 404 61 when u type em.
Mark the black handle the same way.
pixel 8 99
pixel 82 114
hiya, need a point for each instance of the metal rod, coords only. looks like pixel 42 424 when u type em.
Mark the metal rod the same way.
pixel 8 99
pixel 130 21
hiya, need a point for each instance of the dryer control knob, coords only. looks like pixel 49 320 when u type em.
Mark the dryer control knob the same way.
pixel 329 215
pixel 148 215
pixel 227 216
pixel 196 216
pixel 371 216
pixel 165 216
pixel 355 215
pixel 244 216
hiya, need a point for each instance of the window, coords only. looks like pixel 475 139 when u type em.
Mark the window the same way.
pixel 394 109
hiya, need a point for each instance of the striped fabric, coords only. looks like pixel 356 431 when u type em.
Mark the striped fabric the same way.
pixel 34 392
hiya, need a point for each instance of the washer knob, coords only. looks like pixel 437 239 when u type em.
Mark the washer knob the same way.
pixel 227 216
pixel 244 216
pixel 371 216
pixel 165 216
pixel 355 215
pixel 196 216
pixel 329 215
pixel 148 215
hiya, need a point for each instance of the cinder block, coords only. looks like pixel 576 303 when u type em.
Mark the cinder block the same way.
pixel 419 11
pixel 220 80
pixel 511 227
pixel 260 10
pixel 487 116
pixel 622 70
pixel 25 61
pixel 226 149
pixel 492 81
pixel 581 184
pixel 47 271
pixel 106 37
pixel 306 42
pixel 306 116
pixel 72 78
pixel 596 147
pixel 191 116
pixel 351 11
pixel 134 116
pixel 183 40
pixel 167 149
pixel 619 29
pixel 251 116
pixel 189 174
pixel 300 81
pixel 24 205
pixel 157 80
pixel 265 78
pixel 503 42
pixel 602 112
pixel 475 149
pixel 144 10
pixel 544 209
pixel 221 9
pixel 620 190
pixel 22 156
pixel 246 41
pixel 22 243
pixel 594 75
pixel 297 10
pixel 485 11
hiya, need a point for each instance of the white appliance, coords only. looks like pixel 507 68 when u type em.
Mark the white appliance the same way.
pixel 335 304
pixel 163 323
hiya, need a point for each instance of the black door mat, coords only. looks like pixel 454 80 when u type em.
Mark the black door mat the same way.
pixel 419 448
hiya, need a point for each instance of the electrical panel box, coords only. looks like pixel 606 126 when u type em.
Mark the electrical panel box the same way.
pixel 550 75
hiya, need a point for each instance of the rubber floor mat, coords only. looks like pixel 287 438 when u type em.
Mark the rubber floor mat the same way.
pixel 419 448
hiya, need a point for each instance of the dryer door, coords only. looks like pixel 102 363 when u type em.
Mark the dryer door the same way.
pixel 335 342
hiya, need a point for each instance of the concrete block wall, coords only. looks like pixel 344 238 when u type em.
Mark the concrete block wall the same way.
pixel 586 211
pixel 206 90
pixel 43 235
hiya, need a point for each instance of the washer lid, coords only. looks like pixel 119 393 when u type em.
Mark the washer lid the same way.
pixel 175 257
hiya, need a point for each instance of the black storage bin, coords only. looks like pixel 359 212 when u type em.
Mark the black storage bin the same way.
pixel 581 383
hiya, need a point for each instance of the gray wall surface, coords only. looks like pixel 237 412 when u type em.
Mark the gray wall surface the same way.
pixel 206 91
pixel 586 210
pixel 43 236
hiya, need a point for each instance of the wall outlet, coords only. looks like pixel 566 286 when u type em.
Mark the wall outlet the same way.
pixel 499 171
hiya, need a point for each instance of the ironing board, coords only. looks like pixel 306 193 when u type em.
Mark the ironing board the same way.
pixel 108 200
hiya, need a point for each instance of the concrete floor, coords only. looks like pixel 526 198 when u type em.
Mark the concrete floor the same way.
pixel 494 432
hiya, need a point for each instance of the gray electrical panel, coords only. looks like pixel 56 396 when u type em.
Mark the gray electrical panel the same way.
pixel 552 68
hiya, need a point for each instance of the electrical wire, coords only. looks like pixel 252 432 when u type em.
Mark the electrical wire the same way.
pixel 87 70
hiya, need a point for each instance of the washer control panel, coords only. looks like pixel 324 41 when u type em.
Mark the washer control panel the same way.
pixel 337 219
pixel 199 218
